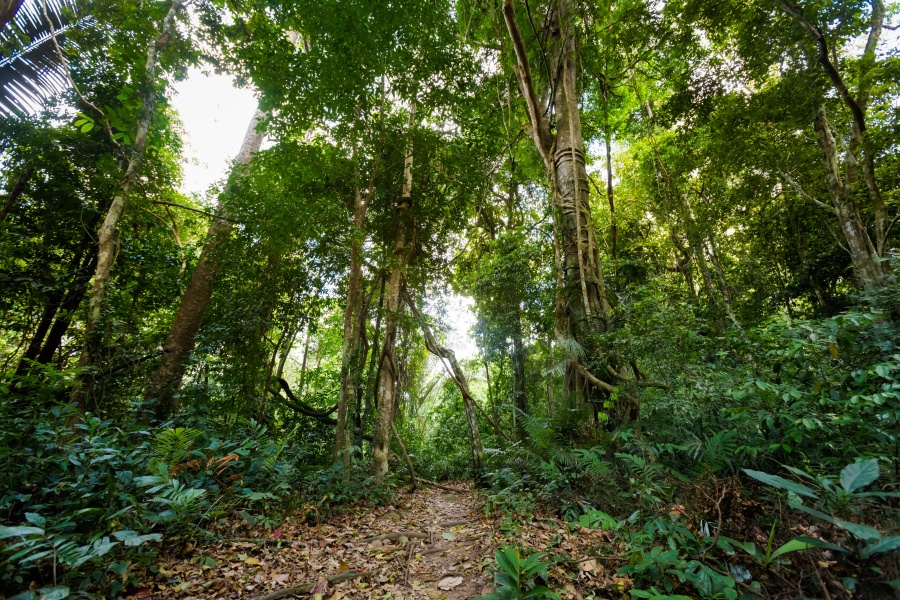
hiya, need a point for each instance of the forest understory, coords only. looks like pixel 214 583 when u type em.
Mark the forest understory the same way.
pixel 613 281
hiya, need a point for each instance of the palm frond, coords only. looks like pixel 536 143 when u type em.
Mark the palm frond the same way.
pixel 30 71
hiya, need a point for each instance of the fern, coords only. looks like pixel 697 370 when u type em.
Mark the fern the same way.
pixel 173 446
pixel 718 451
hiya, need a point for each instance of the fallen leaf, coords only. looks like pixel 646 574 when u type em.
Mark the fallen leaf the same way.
pixel 588 565
pixel 320 589
pixel 251 561
pixel 343 567
pixel 276 534
pixel 281 578
pixel 448 583
pixel 448 536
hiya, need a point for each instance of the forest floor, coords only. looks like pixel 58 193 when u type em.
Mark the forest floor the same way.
pixel 430 543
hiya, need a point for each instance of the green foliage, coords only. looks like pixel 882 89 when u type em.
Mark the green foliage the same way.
pixel 517 574
pixel 830 499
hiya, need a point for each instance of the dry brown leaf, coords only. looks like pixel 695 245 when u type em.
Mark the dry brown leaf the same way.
pixel 448 583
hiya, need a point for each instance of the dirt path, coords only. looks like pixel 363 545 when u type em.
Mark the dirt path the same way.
pixel 437 546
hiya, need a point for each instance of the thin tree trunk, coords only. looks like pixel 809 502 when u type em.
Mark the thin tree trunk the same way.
pixel 301 386
pixel 106 247
pixel 518 359
pixel 15 190
pixel 388 368
pixel 166 380
pixel 613 231
pixel 458 376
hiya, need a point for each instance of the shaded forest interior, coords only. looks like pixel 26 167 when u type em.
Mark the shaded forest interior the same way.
pixel 672 225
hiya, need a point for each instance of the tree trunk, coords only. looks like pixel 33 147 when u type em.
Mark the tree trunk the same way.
pixel 518 359
pixel 388 368
pixel 106 246
pixel 863 255
pixel 15 190
pixel 373 375
pixel 350 372
pixel 583 293
pixel 613 231
pixel 166 380
pixel 456 373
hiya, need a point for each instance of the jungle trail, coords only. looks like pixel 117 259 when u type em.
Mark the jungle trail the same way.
pixel 496 299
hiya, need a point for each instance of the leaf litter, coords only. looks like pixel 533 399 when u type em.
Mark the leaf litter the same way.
pixel 428 544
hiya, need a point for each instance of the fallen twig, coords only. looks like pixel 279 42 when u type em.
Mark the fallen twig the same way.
pixel 408 558
pixel 307 587
pixel 443 575
pixel 262 541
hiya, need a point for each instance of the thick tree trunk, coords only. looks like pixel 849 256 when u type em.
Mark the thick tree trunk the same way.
pixel 863 255
pixel 583 293
pixel 106 246
pixel 166 380
pixel 387 381
pixel 373 375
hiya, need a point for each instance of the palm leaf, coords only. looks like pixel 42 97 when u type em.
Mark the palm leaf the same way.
pixel 30 71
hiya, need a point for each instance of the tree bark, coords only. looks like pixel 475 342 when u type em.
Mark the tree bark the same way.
pixel 351 365
pixel 106 247
pixel 458 376
pixel 863 255
pixel 166 380
pixel 16 189
pixel 519 384
pixel 387 382
pixel 583 292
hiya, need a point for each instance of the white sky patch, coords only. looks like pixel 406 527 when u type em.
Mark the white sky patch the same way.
pixel 215 115
pixel 460 316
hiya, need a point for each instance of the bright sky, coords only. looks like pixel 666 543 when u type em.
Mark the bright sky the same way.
pixel 215 115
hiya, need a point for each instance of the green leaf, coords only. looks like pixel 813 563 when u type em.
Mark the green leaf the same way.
pixel 811 541
pixel 791 546
pixel 35 519
pixel 884 545
pixel 859 475
pixel 781 482
pixel 7 532
pixel 54 593
pixel 84 129
pixel 863 532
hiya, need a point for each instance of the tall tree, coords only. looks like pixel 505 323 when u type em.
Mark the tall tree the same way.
pixel 106 243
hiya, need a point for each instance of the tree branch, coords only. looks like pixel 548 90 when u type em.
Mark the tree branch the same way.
pixel 65 66
pixel 818 37
pixel 804 194
pixel 596 382
pixel 196 210
pixel 540 128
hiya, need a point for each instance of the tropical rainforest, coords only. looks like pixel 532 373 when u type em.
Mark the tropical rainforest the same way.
pixel 674 224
